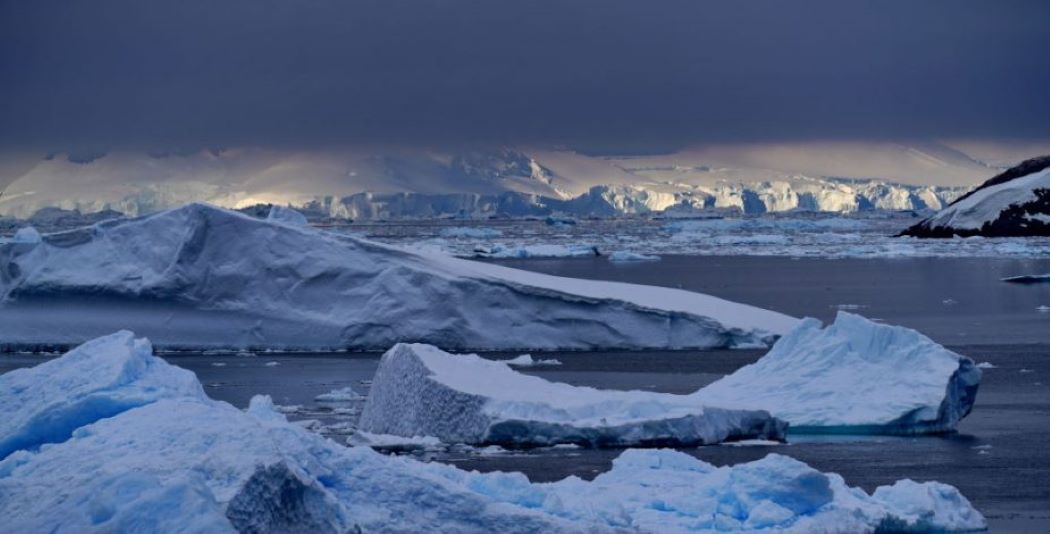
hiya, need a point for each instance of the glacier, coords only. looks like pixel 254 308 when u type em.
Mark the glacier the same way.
pixel 420 390
pixel 854 376
pixel 202 277
pixel 188 463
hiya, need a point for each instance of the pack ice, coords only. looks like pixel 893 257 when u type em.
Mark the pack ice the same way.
pixel 420 390
pixel 854 376
pixel 204 277
pixel 175 461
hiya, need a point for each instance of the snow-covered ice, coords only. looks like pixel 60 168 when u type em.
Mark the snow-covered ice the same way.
pixel 854 376
pixel 420 390
pixel 526 360
pixel 187 463
pixel 203 277
pixel 99 379
pixel 536 251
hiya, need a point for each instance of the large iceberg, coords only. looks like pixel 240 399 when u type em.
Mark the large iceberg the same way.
pixel 205 277
pixel 854 376
pixel 192 464
pixel 420 390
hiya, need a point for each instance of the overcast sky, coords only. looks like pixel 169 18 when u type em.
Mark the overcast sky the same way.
pixel 583 73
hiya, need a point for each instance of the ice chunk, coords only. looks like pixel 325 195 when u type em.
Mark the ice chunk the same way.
pixel 420 390
pixel 854 376
pixel 201 277
pixel 622 255
pixel 526 360
pixel 286 215
pixel 193 464
pixel 346 394
pixel 99 379
pixel 27 234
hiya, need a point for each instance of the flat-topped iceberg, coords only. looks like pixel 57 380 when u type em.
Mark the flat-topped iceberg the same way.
pixel 203 277
pixel 420 390
pixel 854 376
pixel 192 464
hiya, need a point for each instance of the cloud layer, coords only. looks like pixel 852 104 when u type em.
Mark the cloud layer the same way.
pixel 590 73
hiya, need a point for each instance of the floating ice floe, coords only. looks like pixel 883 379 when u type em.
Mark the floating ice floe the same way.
pixel 201 277
pixel 420 390
pixel 26 234
pixel 183 462
pixel 526 360
pixel 537 251
pixel 624 256
pixel 854 376
pixel 346 394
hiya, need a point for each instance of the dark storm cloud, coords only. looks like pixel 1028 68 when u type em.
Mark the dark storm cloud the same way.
pixel 601 72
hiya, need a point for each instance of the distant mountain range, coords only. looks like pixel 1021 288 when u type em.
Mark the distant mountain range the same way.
pixel 415 183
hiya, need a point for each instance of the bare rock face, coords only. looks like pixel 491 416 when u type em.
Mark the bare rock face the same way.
pixel 1015 203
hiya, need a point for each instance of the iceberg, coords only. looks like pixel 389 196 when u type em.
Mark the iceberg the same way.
pixel 854 376
pixel 420 390
pixel 99 379
pixel 201 277
pixel 192 464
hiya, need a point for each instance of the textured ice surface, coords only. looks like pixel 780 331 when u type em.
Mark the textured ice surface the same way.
pixel 99 379
pixel 204 277
pixel 193 464
pixel 855 375
pixel 420 390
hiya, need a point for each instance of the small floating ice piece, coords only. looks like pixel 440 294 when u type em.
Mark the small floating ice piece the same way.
pixel 526 360
pixel 624 256
pixel 346 394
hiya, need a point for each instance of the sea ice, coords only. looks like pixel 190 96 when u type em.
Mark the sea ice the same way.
pixel 420 390
pixel 854 376
pixel 187 463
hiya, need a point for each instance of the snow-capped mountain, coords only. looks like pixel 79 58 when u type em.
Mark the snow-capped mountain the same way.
pixel 1013 203
pixel 369 183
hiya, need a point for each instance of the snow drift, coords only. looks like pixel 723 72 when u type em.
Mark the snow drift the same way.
pixel 191 464
pixel 1013 203
pixel 420 390
pixel 205 277
pixel 854 376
